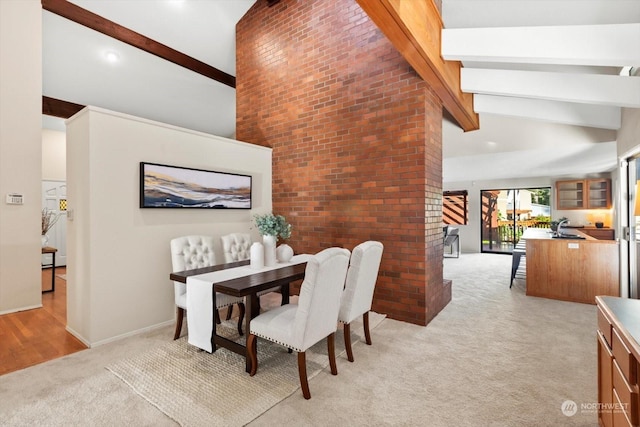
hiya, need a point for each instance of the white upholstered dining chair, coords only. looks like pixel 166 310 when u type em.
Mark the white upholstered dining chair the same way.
pixel 188 253
pixel 236 246
pixel 314 317
pixel 358 290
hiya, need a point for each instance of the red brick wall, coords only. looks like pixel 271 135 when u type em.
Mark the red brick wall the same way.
pixel 356 138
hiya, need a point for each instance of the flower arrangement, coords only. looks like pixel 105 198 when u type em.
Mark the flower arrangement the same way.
pixel 273 225
pixel 49 219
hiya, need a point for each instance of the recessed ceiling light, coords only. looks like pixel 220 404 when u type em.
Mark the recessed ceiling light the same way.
pixel 492 143
pixel 112 56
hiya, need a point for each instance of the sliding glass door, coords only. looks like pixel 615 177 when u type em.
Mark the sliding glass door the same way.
pixel 507 212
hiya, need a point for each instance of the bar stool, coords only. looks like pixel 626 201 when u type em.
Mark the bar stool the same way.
pixel 519 252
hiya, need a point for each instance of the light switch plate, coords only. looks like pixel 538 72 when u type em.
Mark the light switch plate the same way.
pixel 15 199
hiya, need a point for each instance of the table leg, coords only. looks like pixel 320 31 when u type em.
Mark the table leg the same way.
pixel 284 290
pixel 53 272
pixel 251 301
pixel 215 311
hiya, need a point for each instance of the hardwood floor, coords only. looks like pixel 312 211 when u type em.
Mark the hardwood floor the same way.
pixel 35 336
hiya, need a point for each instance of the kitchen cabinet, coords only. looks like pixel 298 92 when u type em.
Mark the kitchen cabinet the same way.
pixel 575 270
pixel 618 355
pixel 583 194
pixel 599 193
pixel 600 233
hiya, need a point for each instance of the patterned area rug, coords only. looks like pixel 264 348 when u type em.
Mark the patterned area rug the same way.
pixel 196 388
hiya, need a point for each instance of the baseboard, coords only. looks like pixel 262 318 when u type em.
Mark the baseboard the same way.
pixel 126 335
pixel 15 310
pixel 78 336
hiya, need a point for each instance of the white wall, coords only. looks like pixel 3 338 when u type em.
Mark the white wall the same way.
pixel 54 159
pixel 629 133
pixel 20 153
pixel 119 259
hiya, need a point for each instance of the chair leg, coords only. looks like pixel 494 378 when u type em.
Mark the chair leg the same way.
pixel 331 349
pixel 347 341
pixel 217 316
pixel 365 320
pixel 252 349
pixel 229 312
pixel 302 371
pixel 179 317
pixel 240 317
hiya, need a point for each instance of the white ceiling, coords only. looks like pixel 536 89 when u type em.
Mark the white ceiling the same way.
pixel 75 70
pixel 528 124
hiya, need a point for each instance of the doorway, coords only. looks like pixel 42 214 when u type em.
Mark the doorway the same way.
pixel 54 199
pixel 507 212
pixel 630 236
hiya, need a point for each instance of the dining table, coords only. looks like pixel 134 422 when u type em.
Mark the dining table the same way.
pixel 237 279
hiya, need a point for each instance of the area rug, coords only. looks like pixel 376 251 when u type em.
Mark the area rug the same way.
pixel 196 388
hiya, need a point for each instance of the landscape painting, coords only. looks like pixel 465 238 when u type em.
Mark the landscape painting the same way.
pixel 163 186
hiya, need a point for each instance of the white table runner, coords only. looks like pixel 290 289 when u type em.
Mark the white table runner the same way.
pixel 200 295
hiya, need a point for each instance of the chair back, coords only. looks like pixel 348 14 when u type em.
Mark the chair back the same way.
pixel 451 236
pixel 320 293
pixel 187 253
pixel 236 246
pixel 361 280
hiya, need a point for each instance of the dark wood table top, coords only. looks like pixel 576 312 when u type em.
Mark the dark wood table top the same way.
pixel 247 285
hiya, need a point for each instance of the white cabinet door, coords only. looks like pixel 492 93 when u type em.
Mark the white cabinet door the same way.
pixel 54 198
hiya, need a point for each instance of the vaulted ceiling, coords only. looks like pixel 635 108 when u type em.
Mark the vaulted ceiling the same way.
pixel 547 75
pixel 549 80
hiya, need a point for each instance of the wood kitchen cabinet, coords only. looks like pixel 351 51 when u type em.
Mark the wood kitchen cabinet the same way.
pixel 618 361
pixel 600 233
pixel 570 194
pixel 598 193
pixel 583 194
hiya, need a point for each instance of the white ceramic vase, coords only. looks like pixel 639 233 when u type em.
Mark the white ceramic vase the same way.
pixel 269 250
pixel 284 253
pixel 256 259
pixel 45 240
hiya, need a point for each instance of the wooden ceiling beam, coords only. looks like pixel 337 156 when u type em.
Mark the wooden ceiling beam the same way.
pixel 59 108
pixel 414 27
pixel 89 19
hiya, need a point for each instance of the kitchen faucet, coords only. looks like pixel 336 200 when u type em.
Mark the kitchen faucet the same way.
pixel 558 228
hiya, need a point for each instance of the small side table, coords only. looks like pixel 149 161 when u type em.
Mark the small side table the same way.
pixel 52 251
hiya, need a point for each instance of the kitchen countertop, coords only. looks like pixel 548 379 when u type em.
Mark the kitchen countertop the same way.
pixel 625 312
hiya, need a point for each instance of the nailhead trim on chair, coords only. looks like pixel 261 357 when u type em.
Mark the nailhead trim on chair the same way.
pixel 278 342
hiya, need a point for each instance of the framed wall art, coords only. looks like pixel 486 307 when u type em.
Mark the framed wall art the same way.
pixel 164 186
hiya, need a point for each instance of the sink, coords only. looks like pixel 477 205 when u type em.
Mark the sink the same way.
pixel 569 236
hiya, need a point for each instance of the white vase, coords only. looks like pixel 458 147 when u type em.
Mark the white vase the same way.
pixel 257 256
pixel 45 240
pixel 269 250
pixel 284 253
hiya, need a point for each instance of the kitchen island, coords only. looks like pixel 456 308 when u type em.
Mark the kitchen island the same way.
pixel 570 269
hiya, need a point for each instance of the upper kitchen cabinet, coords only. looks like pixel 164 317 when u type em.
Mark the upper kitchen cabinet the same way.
pixel 583 194
pixel 599 196
pixel 571 194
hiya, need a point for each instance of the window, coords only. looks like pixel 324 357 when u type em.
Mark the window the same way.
pixel 454 207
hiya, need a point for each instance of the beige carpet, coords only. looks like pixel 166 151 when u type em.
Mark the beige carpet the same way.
pixel 492 357
pixel 196 388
